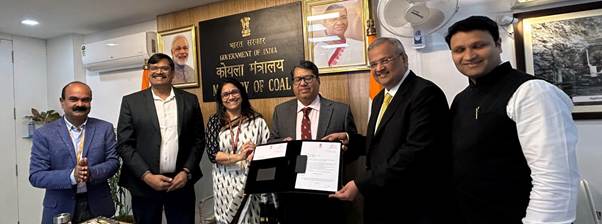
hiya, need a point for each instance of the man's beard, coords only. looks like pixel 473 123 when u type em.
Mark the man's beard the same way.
pixel 181 62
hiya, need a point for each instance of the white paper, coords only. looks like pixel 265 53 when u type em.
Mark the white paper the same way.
pixel 270 151
pixel 322 170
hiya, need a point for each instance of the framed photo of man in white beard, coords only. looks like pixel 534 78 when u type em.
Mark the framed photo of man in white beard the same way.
pixel 180 45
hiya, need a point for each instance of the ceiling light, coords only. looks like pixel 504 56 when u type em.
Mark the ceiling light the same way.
pixel 29 22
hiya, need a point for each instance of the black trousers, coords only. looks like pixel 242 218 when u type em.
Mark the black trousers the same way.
pixel 82 210
pixel 300 208
pixel 179 207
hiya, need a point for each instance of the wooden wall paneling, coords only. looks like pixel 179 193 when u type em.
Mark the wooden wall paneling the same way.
pixel 357 84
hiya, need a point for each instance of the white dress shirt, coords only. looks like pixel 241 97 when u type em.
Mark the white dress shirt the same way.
pixel 391 92
pixel 76 134
pixel 167 113
pixel 548 138
pixel 353 52
pixel 314 116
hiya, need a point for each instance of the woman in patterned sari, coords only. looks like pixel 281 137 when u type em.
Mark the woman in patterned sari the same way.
pixel 232 134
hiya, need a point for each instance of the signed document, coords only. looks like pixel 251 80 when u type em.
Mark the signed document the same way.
pixel 322 167
pixel 270 151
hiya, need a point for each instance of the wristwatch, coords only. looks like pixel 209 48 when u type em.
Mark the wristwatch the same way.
pixel 188 175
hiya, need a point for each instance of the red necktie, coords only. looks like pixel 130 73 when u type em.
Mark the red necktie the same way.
pixel 336 55
pixel 334 58
pixel 306 124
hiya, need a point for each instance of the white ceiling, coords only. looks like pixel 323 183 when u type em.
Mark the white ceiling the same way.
pixel 61 17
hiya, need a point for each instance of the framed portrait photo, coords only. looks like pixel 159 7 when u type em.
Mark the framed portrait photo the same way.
pixel 335 35
pixel 564 47
pixel 180 45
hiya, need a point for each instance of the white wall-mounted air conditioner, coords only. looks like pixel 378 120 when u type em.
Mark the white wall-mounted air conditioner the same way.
pixel 125 52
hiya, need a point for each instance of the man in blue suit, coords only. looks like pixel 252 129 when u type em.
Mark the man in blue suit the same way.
pixel 72 158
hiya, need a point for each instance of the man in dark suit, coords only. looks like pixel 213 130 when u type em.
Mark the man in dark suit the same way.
pixel 309 116
pixel 161 141
pixel 72 158
pixel 408 176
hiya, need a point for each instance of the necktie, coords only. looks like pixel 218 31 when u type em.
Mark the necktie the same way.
pixel 78 142
pixel 336 55
pixel 79 149
pixel 306 124
pixel 383 108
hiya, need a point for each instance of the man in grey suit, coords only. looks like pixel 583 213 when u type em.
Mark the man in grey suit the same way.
pixel 310 116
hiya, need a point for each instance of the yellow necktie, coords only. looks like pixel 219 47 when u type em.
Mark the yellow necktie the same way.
pixel 383 108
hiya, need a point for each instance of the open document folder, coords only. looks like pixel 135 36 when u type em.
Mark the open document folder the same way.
pixel 301 166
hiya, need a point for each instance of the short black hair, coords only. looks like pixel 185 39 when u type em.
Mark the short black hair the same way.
pixel 474 23
pixel 306 65
pixel 74 82
pixel 156 58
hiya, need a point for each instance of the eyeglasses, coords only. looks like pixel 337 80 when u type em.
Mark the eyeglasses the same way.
pixel 233 92
pixel 162 68
pixel 308 79
pixel 383 62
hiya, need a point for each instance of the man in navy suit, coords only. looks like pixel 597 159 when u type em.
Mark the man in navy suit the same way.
pixel 73 157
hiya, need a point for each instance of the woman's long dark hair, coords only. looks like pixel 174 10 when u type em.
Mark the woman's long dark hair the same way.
pixel 246 110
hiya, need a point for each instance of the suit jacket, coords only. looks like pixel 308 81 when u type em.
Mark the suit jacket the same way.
pixel 305 208
pixel 334 117
pixel 139 139
pixel 53 159
pixel 409 156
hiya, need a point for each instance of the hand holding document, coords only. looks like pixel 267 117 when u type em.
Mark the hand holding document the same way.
pixel 248 150
pixel 343 137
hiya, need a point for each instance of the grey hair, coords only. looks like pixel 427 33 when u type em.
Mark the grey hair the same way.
pixel 395 42
pixel 177 38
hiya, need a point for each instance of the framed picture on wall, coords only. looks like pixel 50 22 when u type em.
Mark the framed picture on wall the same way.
pixel 564 47
pixel 180 44
pixel 335 34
